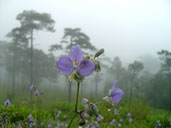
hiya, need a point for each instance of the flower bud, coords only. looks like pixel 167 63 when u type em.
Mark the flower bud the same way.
pixel 91 109
pixel 107 101
pixel 101 51
pixel 85 101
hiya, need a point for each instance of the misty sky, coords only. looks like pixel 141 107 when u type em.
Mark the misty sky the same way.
pixel 125 28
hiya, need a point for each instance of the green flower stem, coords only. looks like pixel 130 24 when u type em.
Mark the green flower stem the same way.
pixel 71 120
pixel 76 104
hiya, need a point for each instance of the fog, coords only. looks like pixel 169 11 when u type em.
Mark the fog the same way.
pixel 128 29
pixel 135 35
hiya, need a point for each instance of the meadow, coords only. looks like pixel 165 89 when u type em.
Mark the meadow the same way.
pixel 45 111
pixel 74 83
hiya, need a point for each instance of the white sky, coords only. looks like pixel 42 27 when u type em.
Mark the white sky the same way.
pixel 125 28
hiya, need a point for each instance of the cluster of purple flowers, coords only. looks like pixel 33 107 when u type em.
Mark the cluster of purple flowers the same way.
pixel 78 67
pixel 100 117
pixel 93 124
pixel 58 114
pixel 33 88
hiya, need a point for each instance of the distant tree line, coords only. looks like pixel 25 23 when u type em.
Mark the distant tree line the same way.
pixel 25 65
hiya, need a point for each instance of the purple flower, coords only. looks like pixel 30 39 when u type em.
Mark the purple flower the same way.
pixel 116 112
pixel 115 93
pixel 19 126
pixel 30 116
pixel 67 64
pixel 129 114
pixel 119 125
pixel 36 93
pixel 121 120
pixel 112 122
pixel 65 116
pixel 130 120
pixel 100 117
pixel 86 115
pixel 86 121
pixel 49 126
pixel 7 103
pixel 31 87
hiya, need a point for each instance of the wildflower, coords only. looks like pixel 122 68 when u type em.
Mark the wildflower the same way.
pixel 65 116
pixel 67 64
pixel 86 121
pixel 129 114
pixel 30 117
pixel 19 126
pixel 119 125
pixel 31 87
pixel 130 120
pixel 49 126
pixel 86 115
pixel 121 120
pixel 115 93
pixel 112 122
pixel 116 112
pixel 59 113
pixel 36 92
pixel 7 103
pixel 100 117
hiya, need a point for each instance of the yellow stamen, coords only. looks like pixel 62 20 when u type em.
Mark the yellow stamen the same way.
pixel 75 63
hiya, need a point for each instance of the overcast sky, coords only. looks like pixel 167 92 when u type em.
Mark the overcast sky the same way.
pixel 125 28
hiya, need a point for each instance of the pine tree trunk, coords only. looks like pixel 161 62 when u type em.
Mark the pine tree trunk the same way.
pixel 31 64
pixel 131 89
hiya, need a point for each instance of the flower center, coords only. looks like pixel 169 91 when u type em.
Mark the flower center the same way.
pixel 75 63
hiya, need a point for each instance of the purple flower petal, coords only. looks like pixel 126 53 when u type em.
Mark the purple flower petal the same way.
pixel 31 87
pixel 85 67
pixel 100 117
pixel 116 112
pixel 7 103
pixel 75 54
pixel 37 93
pixel 65 65
pixel 113 87
pixel 114 84
pixel 130 120
pixel 117 94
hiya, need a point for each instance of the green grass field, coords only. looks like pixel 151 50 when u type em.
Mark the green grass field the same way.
pixel 59 114
pixel 52 110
